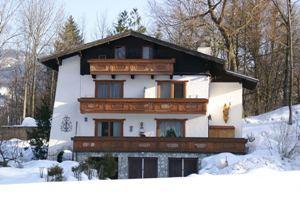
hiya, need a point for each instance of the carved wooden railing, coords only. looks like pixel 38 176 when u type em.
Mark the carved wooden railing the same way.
pixel 158 144
pixel 143 105
pixel 131 66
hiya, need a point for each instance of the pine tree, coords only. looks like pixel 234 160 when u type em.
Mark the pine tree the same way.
pixel 39 137
pixel 69 37
pixel 129 21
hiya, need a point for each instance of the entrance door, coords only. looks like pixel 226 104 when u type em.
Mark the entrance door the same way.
pixel 142 167
pixel 180 167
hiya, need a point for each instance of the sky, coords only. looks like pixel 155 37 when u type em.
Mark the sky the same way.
pixel 86 11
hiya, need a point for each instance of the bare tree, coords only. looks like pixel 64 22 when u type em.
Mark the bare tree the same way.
pixel 287 19
pixel 10 150
pixel 101 26
pixel 8 8
pixel 39 24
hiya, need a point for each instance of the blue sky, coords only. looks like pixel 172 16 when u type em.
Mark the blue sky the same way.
pixel 87 10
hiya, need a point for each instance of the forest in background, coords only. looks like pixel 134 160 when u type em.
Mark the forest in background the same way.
pixel 259 38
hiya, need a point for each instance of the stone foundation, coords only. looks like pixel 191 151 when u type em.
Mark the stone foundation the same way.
pixel 162 160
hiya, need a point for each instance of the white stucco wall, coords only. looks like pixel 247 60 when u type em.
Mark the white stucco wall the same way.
pixel 197 85
pixel 226 92
pixel 67 93
pixel 196 126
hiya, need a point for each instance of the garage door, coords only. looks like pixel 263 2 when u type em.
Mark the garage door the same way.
pixel 142 167
pixel 179 167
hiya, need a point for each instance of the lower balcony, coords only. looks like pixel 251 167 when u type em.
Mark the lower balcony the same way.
pixel 143 105
pixel 158 144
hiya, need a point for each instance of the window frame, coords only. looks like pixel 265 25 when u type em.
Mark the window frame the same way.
pixel 109 81
pixel 115 48
pixel 97 121
pixel 173 82
pixel 182 121
pixel 149 46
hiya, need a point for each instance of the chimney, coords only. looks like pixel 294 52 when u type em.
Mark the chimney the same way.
pixel 204 50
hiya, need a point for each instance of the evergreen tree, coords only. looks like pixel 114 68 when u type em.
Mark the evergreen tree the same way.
pixel 69 37
pixel 39 137
pixel 129 21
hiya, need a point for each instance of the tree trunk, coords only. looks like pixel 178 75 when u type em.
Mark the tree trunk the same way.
pixel 291 61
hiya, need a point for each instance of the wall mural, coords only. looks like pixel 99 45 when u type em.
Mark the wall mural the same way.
pixel 66 124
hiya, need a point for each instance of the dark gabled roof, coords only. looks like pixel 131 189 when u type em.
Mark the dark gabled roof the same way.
pixel 79 48
pixel 53 60
pixel 229 76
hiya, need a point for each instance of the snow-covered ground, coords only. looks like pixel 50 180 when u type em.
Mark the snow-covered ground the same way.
pixel 262 183
pixel 265 174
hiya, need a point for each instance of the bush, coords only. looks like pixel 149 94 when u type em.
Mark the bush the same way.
pixel 104 167
pixel 39 137
pixel 284 138
pixel 55 173
pixel 60 156
pixel 86 168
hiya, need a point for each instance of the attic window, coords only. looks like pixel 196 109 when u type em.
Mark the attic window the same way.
pixel 147 52
pixel 120 52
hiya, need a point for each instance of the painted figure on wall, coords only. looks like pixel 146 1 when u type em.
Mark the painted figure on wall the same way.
pixel 226 109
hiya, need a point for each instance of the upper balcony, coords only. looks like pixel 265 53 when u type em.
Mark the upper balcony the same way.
pixel 143 105
pixel 131 66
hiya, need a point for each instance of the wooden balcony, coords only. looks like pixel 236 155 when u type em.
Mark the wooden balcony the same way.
pixel 131 66
pixel 143 105
pixel 157 144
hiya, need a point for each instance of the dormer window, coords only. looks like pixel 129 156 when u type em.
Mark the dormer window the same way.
pixel 147 52
pixel 120 52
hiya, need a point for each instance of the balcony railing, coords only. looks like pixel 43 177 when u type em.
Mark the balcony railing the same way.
pixel 143 105
pixel 131 66
pixel 158 144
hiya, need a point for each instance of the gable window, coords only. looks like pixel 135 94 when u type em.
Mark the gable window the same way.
pixel 120 52
pixel 171 127
pixel 171 89
pixel 109 128
pixel 147 52
pixel 109 89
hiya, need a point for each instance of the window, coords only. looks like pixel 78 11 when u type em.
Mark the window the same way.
pixel 171 89
pixel 170 128
pixel 120 52
pixel 147 52
pixel 109 128
pixel 109 89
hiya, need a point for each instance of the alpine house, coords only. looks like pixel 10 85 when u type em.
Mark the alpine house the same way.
pixel 156 107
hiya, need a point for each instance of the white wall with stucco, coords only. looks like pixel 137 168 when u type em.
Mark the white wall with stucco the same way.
pixel 226 92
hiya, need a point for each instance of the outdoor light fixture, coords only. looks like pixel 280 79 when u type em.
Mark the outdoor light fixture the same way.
pixel 142 130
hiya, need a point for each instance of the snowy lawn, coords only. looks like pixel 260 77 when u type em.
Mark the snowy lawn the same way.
pixel 261 183
pixel 31 172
